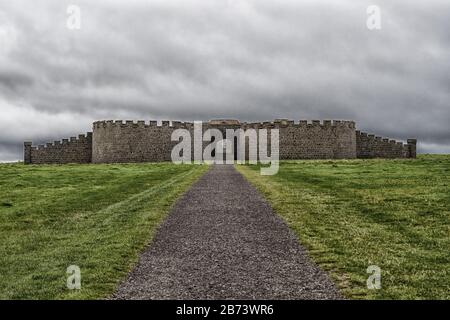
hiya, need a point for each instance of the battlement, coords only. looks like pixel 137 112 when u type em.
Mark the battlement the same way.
pixel 227 122
pixel 150 141
pixel 372 146
pixel 283 123
pixel 141 124
pixel 82 138
pixel 72 150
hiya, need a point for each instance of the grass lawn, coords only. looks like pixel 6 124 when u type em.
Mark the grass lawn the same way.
pixel 354 213
pixel 98 217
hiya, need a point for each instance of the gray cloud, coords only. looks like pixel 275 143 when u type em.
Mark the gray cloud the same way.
pixel 250 60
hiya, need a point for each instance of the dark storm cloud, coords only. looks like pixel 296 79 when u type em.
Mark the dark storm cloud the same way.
pixel 251 60
pixel 10 81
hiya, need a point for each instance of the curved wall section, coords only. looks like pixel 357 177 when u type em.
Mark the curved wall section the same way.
pixel 318 140
pixel 118 142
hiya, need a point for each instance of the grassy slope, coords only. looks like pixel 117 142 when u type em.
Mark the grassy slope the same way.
pixel 98 217
pixel 352 214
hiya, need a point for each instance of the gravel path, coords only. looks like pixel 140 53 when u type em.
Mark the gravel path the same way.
pixel 223 241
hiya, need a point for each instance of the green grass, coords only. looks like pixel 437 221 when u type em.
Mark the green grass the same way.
pixel 98 217
pixel 354 213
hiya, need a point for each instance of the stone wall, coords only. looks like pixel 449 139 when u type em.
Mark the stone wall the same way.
pixel 371 146
pixel 129 141
pixel 118 141
pixel 73 150
pixel 317 140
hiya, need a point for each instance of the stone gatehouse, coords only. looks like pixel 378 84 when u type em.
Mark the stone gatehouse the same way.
pixel 140 141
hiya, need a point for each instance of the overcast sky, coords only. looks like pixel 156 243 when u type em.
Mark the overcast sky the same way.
pixel 248 60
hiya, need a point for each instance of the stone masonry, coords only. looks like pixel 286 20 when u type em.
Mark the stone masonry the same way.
pixel 122 142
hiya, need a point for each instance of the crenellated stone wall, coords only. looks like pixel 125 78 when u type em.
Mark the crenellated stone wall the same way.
pixel 140 141
pixel 73 150
pixel 371 146
pixel 117 141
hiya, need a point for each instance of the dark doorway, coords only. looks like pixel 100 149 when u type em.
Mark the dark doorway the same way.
pixel 235 146
pixel 213 151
